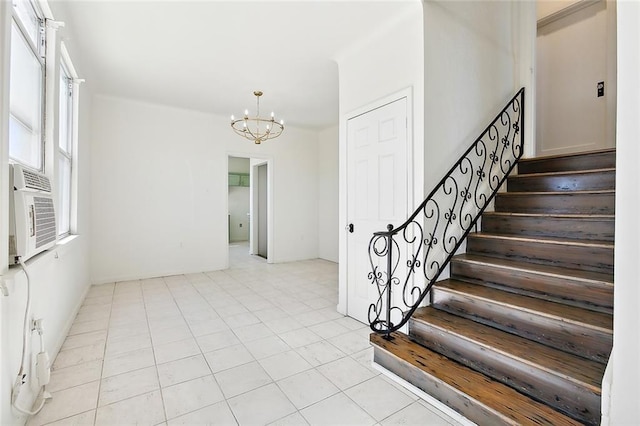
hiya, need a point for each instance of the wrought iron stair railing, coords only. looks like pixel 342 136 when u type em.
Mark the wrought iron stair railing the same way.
pixel 431 236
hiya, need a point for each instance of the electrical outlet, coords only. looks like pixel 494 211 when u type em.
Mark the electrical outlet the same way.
pixel 240 225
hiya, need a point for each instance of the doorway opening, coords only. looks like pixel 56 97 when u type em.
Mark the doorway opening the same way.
pixel 239 200
pixel 249 209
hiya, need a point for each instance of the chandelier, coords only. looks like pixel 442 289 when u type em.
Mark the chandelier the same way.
pixel 257 129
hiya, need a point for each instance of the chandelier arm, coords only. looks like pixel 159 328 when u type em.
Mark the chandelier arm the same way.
pixel 248 129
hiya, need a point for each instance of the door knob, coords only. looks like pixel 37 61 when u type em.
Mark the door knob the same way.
pixel 350 228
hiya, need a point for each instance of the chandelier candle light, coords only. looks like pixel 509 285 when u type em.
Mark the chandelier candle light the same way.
pixel 257 129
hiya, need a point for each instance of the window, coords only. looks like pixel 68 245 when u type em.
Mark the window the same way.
pixel 65 149
pixel 26 91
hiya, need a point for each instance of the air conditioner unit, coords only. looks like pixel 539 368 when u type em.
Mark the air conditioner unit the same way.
pixel 32 219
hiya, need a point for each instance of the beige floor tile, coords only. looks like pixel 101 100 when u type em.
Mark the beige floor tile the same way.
pixel 170 334
pixel 307 388
pixel 378 398
pixel 345 372
pixel 261 406
pixel 145 409
pixel 228 357
pixel 183 370
pixel 85 339
pixel 123 386
pixel 284 364
pixel 79 355
pixel 300 337
pixel 320 353
pixel 83 419
pixel 294 419
pixel 128 361
pixel 415 414
pixel 215 341
pixel 252 332
pixel 266 347
pixel 121 345
pixel 351 342
pixel 67 403
pixel 79 374
pixel 190 396
pixel 337 410
pixel 176 350
pixel 241 379
pixel 255 323
pixel 216 414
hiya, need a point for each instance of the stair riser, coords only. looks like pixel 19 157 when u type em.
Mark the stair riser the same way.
pixel 570 203
pixel 571 291
pixel 459 401
pixel 595 229
pixel 596 258
pixel 564 395
pixel 592 161
pixel 593 181
pixel 570 337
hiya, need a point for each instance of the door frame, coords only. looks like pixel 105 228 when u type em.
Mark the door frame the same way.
pixel 254 161
pixel 254 194
pixel 343 259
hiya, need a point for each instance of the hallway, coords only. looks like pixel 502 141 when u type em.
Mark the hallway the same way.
pixel 254 344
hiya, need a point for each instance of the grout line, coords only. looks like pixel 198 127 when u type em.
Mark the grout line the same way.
pixel 243 280
pixel 104 355
pixel 153 353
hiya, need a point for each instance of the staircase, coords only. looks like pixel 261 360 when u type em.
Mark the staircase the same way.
pixel 522 331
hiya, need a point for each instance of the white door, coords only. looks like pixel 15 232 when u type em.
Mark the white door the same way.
pixel 571 61
pixel 377 191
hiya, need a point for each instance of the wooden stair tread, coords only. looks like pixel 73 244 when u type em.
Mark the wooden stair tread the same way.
pixel 569 155
pixel 598 278
pixel 562 173
pixel 515 407
pixel 594 320
pixel 570 367
pixel 610 217
pixel 561 193
pixel 544 239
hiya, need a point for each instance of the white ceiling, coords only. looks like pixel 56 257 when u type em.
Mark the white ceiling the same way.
pixel 211 55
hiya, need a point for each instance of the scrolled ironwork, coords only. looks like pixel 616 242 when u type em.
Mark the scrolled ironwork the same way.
pixel 430 237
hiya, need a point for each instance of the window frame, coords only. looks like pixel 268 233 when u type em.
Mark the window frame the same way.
pixel 38 49
pixel 65 149
pixel 73 86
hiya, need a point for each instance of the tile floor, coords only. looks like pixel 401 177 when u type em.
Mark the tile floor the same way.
pixel 255 344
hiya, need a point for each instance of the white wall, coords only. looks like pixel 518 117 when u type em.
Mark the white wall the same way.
pixel 389 61
pixel 545 8
pixel 624 366
pixel 573 55
pixel 470 73
pixel 328 228
pixel 60 277
pixel 159 190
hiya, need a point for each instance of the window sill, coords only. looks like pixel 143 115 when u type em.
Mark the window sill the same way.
pixel 66 240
